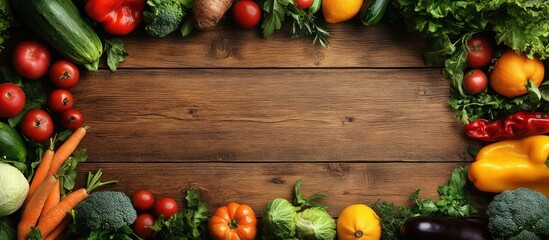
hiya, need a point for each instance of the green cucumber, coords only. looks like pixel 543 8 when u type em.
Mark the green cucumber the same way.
pixel 59 23
pixel 12 147
pixel 372 11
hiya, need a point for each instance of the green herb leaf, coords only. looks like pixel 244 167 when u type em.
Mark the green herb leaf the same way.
pixel 392 218
pixel 304 202
pixel 116 53
pixel 187 26
pixel 533 92
pixel 274 12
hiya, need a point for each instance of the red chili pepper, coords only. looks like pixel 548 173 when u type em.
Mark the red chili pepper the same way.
pixel 118 17
pixel 515 126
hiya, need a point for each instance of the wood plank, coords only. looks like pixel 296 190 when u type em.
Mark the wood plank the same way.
pixel 352 45
pixel 259 183
pixel 270 115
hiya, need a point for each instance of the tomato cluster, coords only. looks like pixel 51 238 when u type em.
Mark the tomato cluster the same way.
pixel 479 54
pixel 32 60
pixel 144 201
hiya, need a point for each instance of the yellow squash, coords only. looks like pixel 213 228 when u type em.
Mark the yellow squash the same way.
pixel 358 222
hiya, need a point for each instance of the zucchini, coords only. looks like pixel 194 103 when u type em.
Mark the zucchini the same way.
pixel 59 23
pixel 12 147
pixel 372 11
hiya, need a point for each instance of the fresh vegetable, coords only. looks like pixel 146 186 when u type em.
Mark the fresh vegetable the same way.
pixel 12 100
pixel 33 209
pixel 31 59
pixel 64 74
pixel 305 23
pixel 207 13
pixel 67 148
pixel 12 147
pixel 246 14
pixel 189 224
pixel 426 227
pixel 358 221
pixel 105 210
pixel 51 202
pixel 13 189
pixel 59 23
pixel 512 164
pixel 165 16
pixel 373 11
pixel 5 23
pixel 142 224
pixel 166 207
pixel 512 71
pixel 521 214
pixel 72 119
pixel 479 51
pixel 233 221
pixel 41 172
pixel 475 81
pixel 392 217
pixel 303 4
pixel 336 11
pixel 60 100
pixel 7 231
pixel 515 126
pixel 37 125
pixel 96 211
pixel 283 220
pixel 118 17
pixel 60 229
pixel 143 199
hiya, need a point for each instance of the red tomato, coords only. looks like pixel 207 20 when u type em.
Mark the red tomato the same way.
pixel 479 52
pixel 37 125
pixel 31 59
pixel 143 199
pixel 64 74
pixel 475 81
pixel 72 119
pixel 140 225
pixel 246 14
pixel 60 100
pixel 12 100
pixel 303 4
pixel 166 206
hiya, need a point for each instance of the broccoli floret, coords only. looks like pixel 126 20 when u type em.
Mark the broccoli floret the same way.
pixel 165 16
pixel 521 214
pixel 106 210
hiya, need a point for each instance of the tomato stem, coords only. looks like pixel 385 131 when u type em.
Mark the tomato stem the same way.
pixel 233 224
pixel 64 76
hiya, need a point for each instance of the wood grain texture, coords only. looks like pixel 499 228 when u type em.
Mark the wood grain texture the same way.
pixel 269 115
pixel 256 184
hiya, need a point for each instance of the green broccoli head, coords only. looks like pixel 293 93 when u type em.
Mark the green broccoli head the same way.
pixel 164 17
pixel 519 214
pixel 106 210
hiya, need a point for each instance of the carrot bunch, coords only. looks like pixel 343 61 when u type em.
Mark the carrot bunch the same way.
pixel 43 208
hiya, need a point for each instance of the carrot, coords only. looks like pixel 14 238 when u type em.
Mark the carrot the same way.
pixel 53 199
pixel 40 174
pixel 56 215
pixel 59 229
pixel 66 149
pixel 32 211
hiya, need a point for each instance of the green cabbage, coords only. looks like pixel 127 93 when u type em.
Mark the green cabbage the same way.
pixel 279 218
pixel 13 189
pixel 315 224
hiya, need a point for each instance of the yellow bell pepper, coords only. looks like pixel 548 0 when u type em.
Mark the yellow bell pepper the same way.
pixel 512 164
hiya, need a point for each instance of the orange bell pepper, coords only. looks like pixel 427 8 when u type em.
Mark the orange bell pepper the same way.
pixel 512 164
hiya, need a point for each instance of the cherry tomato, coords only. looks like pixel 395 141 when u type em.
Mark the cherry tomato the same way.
pixel 303 4
pixel 64 74
pixel 166 206
pixel 60 100
pixel 143 199
pixel 475 81
pixel 12 100
pixel 37 125
pixel 72 119
pixel 479 51
pixel 140 226
pixel 246 14
pixel 31 59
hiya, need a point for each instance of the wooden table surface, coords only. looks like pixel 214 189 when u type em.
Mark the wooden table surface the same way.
pixel 242 118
